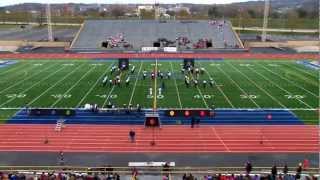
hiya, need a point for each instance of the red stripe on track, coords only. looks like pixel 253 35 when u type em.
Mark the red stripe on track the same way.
pixel 158 55
pixel 178 139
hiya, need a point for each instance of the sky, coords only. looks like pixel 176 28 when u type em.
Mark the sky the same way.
pixel 10 2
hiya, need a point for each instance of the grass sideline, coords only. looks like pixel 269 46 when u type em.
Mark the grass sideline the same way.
pixel 239 84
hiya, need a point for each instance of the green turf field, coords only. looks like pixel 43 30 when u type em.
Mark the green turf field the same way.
pixel 238 84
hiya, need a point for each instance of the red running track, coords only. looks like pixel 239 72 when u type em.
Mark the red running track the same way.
pixel 158 55
pixel 178 139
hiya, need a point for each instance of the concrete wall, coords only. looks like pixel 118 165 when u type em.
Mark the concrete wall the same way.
pixel 35 44
pixel 291 44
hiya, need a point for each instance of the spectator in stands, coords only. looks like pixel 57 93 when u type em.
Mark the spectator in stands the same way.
pixel 285 169
pixel 299 170
pixel 109 170
pixel 248 167
pixel 184 177
pixel 306 164
pixel 134 174
pixel 274 171
pixel 116 176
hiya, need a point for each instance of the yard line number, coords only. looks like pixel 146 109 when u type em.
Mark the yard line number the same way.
pixel 249 96
pixel 295 96
pixel 9 96
pixel 159 96
pixel 206 96
pixel 104 96
pixel 61 96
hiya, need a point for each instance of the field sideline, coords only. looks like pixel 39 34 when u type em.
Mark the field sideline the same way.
pixel 239 84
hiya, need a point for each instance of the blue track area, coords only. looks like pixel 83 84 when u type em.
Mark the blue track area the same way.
pixel 7 63
pixel 309 64
pixel 221 117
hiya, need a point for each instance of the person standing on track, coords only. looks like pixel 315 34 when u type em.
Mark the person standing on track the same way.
pixel 132 136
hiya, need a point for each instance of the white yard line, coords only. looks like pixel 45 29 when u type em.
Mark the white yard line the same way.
pixel 177 89
pixel 44 92
pixel 279 87
pixel 135 84
pixel 25 79
pixel 73 86
pixel 35 84
pixel 291 82
pixel 301 71
pixel 224 95
pixel 262 89
pixel 105 102
pixel 220 139
pixel 234 82
pixel 14 68
pixel 205 102
pixel 96 83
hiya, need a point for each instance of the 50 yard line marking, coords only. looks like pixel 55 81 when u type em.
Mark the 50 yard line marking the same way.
pixel 74 85
pixel 44 92
pixel 90 90
pixel 26 90
pixel 135 84
pixel 25 79
pixel 263 90
pixel 155 86
pixel 175 82
pixel 224 95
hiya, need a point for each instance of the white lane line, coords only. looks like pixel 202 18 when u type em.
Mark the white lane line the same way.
pixel 135 84
pixel 73 86
pixel 56 83
pixel 279 87
pixel 243 91
pixel 220 139
pixel 177 89
pixel 35 84
pixel 224 95
pixel 96 83
pixel 291 82
pixel 25 79
pixel 262 89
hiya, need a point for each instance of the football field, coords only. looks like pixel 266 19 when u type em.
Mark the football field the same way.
pixel 238 84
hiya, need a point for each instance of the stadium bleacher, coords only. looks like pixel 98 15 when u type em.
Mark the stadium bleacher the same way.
pixel 143 33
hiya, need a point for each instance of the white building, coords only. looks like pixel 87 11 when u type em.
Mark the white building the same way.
pixel 146 8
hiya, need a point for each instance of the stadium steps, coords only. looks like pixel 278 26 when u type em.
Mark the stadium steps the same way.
pixel 230 117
